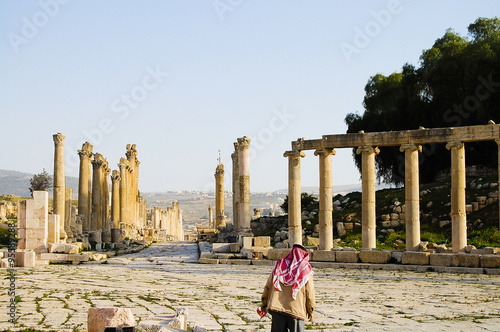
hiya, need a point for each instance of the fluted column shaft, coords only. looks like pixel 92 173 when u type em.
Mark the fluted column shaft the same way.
pixel 368 213
pixel 325 198
pixel 59 201
pixel 84 187
pixel 294 197
pixel 458 213
pixel 412 196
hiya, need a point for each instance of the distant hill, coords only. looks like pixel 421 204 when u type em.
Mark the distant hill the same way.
pixel 18 183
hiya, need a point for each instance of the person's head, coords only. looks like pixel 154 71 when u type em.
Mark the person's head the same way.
pixel 299 246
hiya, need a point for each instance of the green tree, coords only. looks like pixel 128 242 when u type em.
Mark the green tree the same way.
pixel 42 181
pixel 457 84
pixel 306 202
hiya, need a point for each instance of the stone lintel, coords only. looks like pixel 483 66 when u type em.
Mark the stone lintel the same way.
pixel 396 138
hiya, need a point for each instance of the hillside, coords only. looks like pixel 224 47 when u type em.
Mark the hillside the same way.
pixel 18 183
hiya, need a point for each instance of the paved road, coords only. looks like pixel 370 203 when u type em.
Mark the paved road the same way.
pixel 224 297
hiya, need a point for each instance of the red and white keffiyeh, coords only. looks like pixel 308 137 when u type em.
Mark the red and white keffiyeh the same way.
pixel 293 270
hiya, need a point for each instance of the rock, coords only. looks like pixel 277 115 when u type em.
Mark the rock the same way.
pixel 394 223
pixel 281 245
pixel 348 225
pixel 429 204
pixel 307 222
pixel 481 200
pixel 397 209
pixel 98 318
pixel 390 230
pixel 394 216
pixel 443 223
pixel 441 248
pixel 336 203
pixel 385 217
pixel 399 242
pixel 340 229
pixel 469 248
pixel 493 185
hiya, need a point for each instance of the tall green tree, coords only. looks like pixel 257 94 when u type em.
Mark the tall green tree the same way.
pixel 457 84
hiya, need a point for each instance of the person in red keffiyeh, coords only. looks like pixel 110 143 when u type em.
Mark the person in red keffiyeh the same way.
pixel 289 292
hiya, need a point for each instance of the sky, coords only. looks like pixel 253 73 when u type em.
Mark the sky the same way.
pixel 184 79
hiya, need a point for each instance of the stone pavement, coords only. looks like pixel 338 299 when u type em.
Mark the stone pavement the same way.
pixel 224 297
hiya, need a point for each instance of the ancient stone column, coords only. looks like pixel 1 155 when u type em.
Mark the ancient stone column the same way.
pixel 294 197
pixel 498 144
pixel 68 194
pixel 368 218
pixel 59 183
pixel 96 223
pixel 210 217
pixel 220 218
pixel 235 187
pixel 244 216
pixel 84 187
pixel 458 217
pixel 115 205
pixel 132 159
pixel 325 198
pixel 106 202
pixel 123 165
pixel 412 195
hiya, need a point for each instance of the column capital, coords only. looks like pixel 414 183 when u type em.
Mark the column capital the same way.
pixel 498 141
pixel 325 151
pixel 85 154
pixel 98 160
pixel 410 146
pixel 295 153
pixel 115 175
pixel 58 138
pixel 219 170
pixel 367 149
pixel 456 144
pixel 244 142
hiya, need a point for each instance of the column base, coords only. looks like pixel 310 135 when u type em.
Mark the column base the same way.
pixel 106 236
pixel 245 232
pixel 116 235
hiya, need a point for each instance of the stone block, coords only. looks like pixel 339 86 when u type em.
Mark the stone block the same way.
pixel 239 261
pixel 262 241
pixel 311 241
pixel 53 230
pixel 345 256
pixel 4 262
pixel 323 256
pixel 221 247
pixel 247 241
pixel 98 257
pixel 415 258
pixel 275 254
pixel 466 260
pixel 490 261
pixel 375 256
pixel 99 318
pixel 25 258
pixel 208 261
pixel 441 259
pixel 234 247
pixel 79 258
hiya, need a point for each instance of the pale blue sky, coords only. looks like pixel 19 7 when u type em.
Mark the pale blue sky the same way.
pixel 183 79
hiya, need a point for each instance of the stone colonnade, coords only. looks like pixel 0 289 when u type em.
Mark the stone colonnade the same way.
pixel 367 144
pixel 241 187
pixel 59 183
pixel 169 220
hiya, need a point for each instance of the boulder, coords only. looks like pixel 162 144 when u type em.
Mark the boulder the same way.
pixel 99 318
